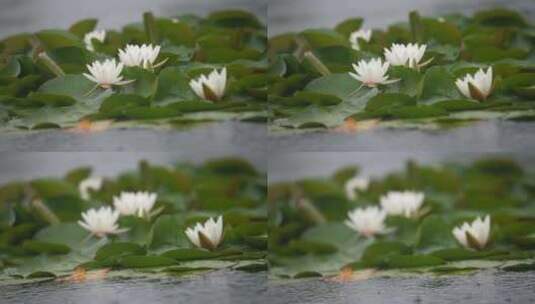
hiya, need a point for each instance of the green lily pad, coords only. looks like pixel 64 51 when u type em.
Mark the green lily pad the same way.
pixel 142 261
pixel 349 26
pixel 83 27
pixel 53 39
pixel 119 249
pixel 45 247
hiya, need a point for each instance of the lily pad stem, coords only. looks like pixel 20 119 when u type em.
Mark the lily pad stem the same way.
pixel 356 91
pixel 47 214
pixel 93 89
pixel 50 64
pixel 317 64
pixel 311 212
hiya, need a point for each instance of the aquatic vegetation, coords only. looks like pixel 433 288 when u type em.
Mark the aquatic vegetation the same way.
pixel 368 221
pixel 477 86
pixel 212 87
pixel 135 224
pixel 142 73
pixel 371 73
pixel 450 70
pixel 406 203
pixel 135 203
pixel 208 235
pixel 106 74
pixel 464 217
pixel 473 235
pixel 366 35
pixel 101 222
pixel 357 183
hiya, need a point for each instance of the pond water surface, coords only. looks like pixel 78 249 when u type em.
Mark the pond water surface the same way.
pixel 486 287
pixel 221 287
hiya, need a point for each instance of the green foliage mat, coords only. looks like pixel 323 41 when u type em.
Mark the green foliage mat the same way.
pixel 32 248
pixel 33 97
pixel 319 94
pixel 308 236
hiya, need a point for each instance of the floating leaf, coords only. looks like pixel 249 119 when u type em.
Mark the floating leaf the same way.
pixel 318 38
pixel 187 254
pixel 53 39
pixel 45 247
pixel 83 27
pixel 349 26
pixel 142 261
pixel 411 261
pixel 119 249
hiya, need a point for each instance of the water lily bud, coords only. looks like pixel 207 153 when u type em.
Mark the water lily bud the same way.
pixel 88 39
pixel 477 86
pixel 208 235
pixel 473 235
pixel 212 87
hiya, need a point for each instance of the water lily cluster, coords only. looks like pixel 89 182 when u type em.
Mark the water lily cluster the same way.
pixel 172 70
pixel 189 219
pixel 108 72
pixel 369 221
pixel 427 72
pixel 466 217
pixel 374 72
pixel 103 221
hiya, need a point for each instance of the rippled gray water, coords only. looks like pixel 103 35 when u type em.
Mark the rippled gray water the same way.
pixel 221 287
pixel 487 287
pixel 485 136
pixel 220 136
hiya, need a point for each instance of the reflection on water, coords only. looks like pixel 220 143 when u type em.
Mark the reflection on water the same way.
pixel 221 287
pixel 297 15
pixel 487 287
pixel 32 15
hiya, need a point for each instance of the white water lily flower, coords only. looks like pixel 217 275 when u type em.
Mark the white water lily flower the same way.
pixel 356 183
pixel 479 231
pixel 101 222
pixel 141 56
pixel 366 35
pixel 88 39
pixel 406 203
pixel 208 235
pixel 211 87
pixel 481 84
pixel 92 183
pixel 135 203
pixel 106 73
pixel 367 221
pixel 371 73
pixel 405 54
